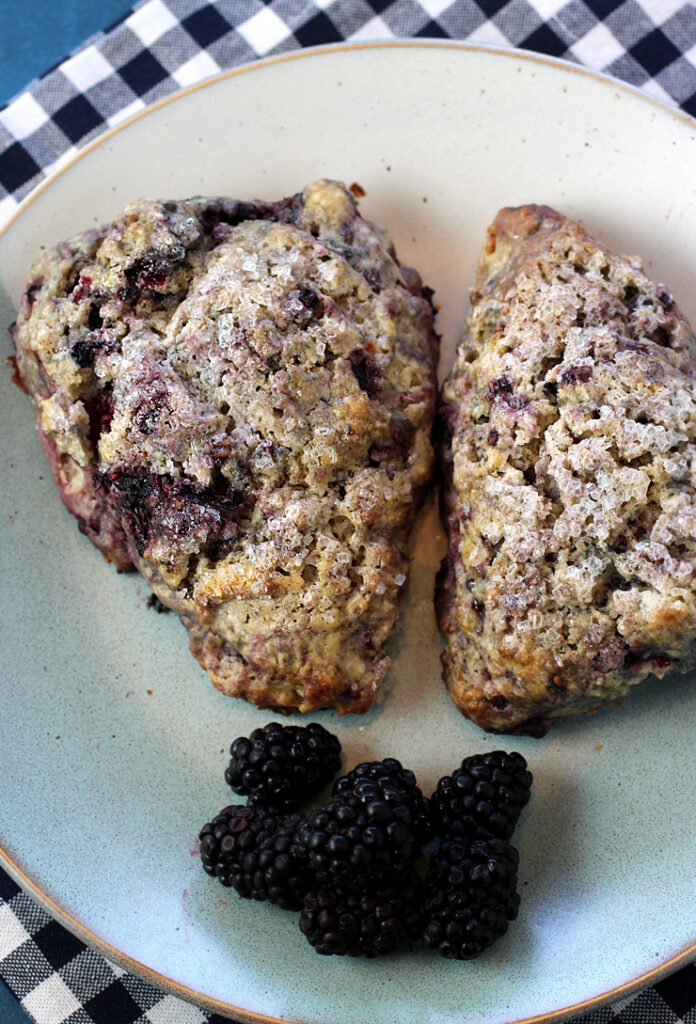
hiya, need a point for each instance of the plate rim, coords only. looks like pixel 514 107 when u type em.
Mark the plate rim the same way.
pixel 7 862
pixel 510 52
pixel 172 987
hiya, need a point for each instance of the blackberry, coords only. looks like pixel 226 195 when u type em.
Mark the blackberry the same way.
pixel 255 852
pixel 362 920
pixel 280 766
pixel 368 831
pixel 390 774
pixel 471 896
pixel 484 798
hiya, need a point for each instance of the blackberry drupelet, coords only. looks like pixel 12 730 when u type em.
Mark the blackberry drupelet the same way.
pixel 363 921
pixel 471 896
pixel 390 774
pixel 277 870
pixel 223 841
pixel 280 766
pixel 366 832
pixel 484 798
pixel 256 853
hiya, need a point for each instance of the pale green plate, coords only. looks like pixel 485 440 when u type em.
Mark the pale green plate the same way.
pixel 113 740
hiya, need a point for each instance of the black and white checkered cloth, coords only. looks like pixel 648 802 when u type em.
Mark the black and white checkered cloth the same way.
pixel 159 47
pixel 163 45
pixel 59 981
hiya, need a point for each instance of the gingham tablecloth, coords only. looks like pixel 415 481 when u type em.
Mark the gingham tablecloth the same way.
pixel 159 47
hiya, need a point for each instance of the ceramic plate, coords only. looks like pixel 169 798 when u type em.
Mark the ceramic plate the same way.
pixel 114 742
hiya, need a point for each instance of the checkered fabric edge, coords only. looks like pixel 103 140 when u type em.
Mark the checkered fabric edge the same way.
pixel 57 980
pixel 163 45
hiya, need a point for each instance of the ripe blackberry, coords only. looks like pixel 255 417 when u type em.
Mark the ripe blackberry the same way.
pixel 282 765
pixel 471 896
pixel 256 853
pixel 390 774
pixel 484 798
pixel 368 831
pixel 363 921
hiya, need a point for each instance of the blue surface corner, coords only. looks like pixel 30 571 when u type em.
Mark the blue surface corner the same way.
pixel 10 1010
pixel 35 35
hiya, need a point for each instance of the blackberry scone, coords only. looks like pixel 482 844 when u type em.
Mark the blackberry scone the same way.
pixel 237 399
pixel 568 449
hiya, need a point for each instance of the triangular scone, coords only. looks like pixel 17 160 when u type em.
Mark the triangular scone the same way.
pixel 570 435
pixel 237 399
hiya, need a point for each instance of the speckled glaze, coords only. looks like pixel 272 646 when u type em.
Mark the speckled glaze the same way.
pixel 113 744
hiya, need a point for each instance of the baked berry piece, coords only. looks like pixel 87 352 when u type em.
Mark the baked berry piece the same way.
pixel 363 920
pixel 390 775
pixel 482 799
pixel 570 571
pixel 471 896
pixel 237 400
pixel 366 833
pixel 280 766
pixel 256 853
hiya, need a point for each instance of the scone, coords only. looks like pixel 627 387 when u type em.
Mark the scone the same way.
pixel 237 399
pixel 568 450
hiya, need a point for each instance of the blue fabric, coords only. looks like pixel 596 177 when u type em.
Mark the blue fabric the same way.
pixel 10 1010
pixel 37 34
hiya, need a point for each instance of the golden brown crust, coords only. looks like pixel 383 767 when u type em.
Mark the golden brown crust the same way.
pixel 570 503
pixel 238 399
